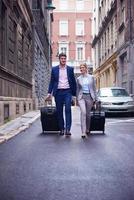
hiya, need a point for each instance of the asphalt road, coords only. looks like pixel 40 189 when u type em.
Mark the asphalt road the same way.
pixel 36 166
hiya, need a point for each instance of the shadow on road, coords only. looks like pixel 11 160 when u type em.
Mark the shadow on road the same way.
pixel 44 134
pixel 119 115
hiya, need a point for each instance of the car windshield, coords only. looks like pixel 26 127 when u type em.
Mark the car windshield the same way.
pixel 113 93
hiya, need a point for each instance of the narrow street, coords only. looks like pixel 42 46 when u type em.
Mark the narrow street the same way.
pixel 67 50
pixel 40 166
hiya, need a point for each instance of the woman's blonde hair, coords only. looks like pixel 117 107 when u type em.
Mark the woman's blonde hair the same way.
pixel 83 64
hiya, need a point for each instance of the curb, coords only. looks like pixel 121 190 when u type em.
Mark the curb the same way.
pixel 5 137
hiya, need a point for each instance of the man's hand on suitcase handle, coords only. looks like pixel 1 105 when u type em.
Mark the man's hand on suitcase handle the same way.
pixel 49 97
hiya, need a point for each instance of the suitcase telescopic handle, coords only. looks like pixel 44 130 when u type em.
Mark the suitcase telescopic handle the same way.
pixel 97 106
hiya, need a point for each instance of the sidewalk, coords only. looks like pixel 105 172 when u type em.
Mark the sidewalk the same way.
pixel 12 128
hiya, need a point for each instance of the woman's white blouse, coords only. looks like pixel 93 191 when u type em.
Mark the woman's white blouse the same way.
pixel 85 84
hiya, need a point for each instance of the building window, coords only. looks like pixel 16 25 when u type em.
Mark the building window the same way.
pixel 131 86
pixel 36 4
pixel 108 41
pixel 15 47
pixel 29 106
pixel 80 4
pixel 79 28
pixel 99 52
pixel 124 70
pixel 102 48
pixel 3 29
pixel 112 33
pixel 17 108
pixel 122 12
pixel 95 27
pixel 105 44
pixel 24 107
pixel 63 48
pixel 63 4
pixel 63 28
pixel 6 112
pixel 80 52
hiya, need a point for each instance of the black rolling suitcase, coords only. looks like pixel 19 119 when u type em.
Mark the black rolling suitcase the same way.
pixel 97 122
pixel 49 120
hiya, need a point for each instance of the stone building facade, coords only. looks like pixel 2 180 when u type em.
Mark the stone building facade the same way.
pixel 41 70
pixel 24 57
pixel 15 59
pixel 113 43
pixel 125 59
pixel 105 42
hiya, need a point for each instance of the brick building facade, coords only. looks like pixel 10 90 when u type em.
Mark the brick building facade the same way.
pixel 72 32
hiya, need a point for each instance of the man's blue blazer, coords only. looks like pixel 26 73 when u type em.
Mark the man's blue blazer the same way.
pixel 53 86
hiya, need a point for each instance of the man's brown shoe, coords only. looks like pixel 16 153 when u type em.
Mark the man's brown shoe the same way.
pixel 67 133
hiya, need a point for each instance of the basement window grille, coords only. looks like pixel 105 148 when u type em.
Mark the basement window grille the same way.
pixel 6 112
pixel 29 106
pixel 24 107
pixel 17 108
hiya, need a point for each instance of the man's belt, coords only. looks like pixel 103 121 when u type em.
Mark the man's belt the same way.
pixel 63 88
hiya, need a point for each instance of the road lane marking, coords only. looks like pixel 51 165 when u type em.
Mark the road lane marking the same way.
pixel 121 121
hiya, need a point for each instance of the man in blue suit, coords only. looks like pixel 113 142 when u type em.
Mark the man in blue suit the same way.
pixel 63 86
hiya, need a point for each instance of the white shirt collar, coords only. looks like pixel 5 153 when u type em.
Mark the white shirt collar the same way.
pixel 61 67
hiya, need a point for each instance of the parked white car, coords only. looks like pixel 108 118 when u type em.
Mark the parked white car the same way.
pixel 115 100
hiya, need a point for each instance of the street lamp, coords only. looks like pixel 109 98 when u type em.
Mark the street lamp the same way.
pixel 50 9
pixel 50 6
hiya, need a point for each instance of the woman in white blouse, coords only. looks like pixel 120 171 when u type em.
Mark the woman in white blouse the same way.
pixel 86 97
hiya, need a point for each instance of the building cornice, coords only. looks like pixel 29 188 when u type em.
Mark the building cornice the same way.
pixel 107 63
pixel 73 11
pixel 13 77
pixel 23 15
pixel 28 9
pixel 124 46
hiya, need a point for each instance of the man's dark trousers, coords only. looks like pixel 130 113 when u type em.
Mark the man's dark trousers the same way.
pixel 64 97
